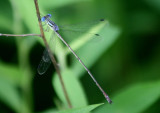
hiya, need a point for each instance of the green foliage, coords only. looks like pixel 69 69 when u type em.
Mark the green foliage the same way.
pixel 81 110
pixel 9 78
pixel 125 61
pixel 134 99
pixel 74 89
pixel 86 109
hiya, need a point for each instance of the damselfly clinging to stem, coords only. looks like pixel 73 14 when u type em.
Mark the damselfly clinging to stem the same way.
pixel 45 62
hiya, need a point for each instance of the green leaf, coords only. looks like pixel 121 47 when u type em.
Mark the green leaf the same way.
pixel 134 99
pixel 90 53
pixel 49 111
pixel 26 10
pixel 74 89
pixel 5 22
pixel 85 109
pixel 58 3
pixel 81 110
pixel 5 17
pixel 8 91
pixel 154 3
pixel 11 73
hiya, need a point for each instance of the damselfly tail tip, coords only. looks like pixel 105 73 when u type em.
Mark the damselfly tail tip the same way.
pixel 110 101
pixel 107 98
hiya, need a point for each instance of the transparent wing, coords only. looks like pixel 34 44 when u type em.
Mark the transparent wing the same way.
pixel 82 27
pixel 70 32
pixel 45 61
pixel 71 36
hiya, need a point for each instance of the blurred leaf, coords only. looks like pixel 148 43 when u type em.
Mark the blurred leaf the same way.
pixel 140 19
pixel 77 110
pixel 9 79
pixel 89 54
pixel 74 89
pixel 134 99
pixel 5 23
pixel 49 111
pixel 10 73
pixel 82 109
pixel 9 94
pixel 5 17
pixel 154 3
pixel 58 3
pixel 26 10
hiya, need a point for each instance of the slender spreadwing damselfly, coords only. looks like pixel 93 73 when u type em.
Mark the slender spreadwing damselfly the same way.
pixel 45 62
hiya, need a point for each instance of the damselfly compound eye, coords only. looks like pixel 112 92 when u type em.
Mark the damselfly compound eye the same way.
pixel 43 19
pixel 49 15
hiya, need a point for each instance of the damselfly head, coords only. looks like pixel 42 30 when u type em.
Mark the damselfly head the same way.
pixel 45 17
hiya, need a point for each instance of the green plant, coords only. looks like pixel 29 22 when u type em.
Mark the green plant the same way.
pixel 117 64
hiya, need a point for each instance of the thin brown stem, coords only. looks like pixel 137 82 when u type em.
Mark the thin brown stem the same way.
pixel 21 35
pixel 51 56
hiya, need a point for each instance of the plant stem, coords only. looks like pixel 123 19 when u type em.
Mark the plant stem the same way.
pixel 50 54
pixel 22 35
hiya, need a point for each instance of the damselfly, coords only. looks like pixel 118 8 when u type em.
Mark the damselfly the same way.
pixel 45 62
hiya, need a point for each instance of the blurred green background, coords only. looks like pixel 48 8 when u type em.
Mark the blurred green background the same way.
pixel 125 61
